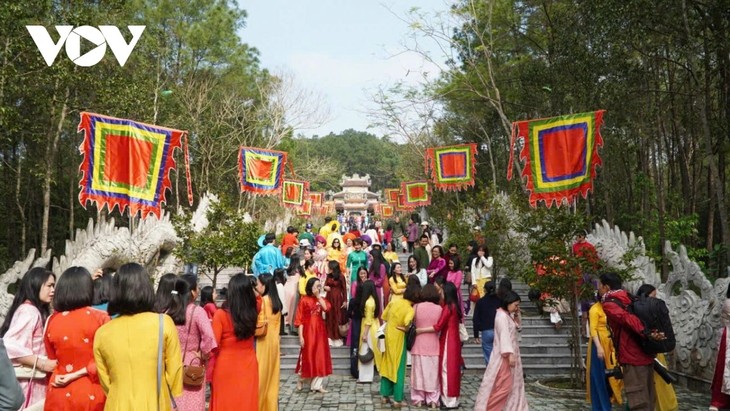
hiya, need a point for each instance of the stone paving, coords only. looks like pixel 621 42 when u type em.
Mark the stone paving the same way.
pixel 346 394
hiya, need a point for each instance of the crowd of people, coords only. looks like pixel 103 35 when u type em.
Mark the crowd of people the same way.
pixel 109 341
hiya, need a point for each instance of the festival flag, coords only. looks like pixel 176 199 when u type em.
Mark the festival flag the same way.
pixel 294 192
pixel 306 209
pixel 261 171
pixel 560 154
pixel 391 195
pixel 126 164
pixel 452 167
pixel 316 198
pixel 402 205
pixel 416 193
pixel 387 210
pixel 329 207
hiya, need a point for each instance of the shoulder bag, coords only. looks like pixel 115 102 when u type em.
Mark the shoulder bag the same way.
pixel 193 374
pixel 24 372
pixel 262 326
pixel 411 333
pixel 160 338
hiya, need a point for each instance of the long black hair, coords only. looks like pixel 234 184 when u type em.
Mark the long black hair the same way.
pixel 508 298
pixel 451 298
pixel 418 265
pixel 206 295
pixel 392 273
pixel 163 296
pixel 29 290
pixel 102 289
pixel 413 289
pixel 295 266
pixel 643 291
pixel 336 272
pixel 74 289
pixel 368 290
pixel 280 276
pixel 309 288
pixel 378 261
pixel 242 305
pixel 270 289
pixel 180 297
pixel 504 286
pixel 131 291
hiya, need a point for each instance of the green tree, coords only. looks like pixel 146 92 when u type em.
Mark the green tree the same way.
pixel 228 241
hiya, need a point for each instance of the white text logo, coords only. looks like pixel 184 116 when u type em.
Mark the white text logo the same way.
pixel 71 37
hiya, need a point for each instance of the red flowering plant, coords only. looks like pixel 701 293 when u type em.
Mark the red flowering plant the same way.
pixel 559 280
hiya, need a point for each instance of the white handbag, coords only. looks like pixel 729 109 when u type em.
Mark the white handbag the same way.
pixel 463 334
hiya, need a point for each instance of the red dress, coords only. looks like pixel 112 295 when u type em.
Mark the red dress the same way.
pixel 336 296
pixel 70 340
pixel 236 372
pixel 448 326
pixel 314 358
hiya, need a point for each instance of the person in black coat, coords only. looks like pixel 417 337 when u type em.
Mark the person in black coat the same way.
pixel 484 312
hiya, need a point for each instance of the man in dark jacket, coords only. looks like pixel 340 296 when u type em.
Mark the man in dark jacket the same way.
pixel 484 312
pixel 627 330
pixel 421 254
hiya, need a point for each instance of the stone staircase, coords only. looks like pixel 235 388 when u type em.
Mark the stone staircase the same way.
pixel 544 350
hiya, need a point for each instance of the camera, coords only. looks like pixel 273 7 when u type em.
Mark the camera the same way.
pixel 615 373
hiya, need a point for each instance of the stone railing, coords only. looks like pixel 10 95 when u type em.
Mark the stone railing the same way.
pixel 103 244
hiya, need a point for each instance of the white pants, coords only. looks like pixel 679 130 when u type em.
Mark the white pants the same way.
pixel 366 372
pixel 317 383
pixel 450 402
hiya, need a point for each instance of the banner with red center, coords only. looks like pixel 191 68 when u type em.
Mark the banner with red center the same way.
pixel 126 163
pixel 316 198
pixel 306 209
pixel 391 195
pixel 293 192
pixel 260 171
pixel 416 193
pixel 387 210
pixel 560 155
pixel 402 205
pixel 452 167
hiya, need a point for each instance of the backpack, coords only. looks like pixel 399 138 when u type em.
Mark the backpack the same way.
pixel 654 314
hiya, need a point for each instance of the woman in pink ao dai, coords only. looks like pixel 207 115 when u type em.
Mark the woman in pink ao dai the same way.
pixel 503 386
pixel 425 387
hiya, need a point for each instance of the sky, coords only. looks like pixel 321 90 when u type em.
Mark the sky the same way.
pixel 341 49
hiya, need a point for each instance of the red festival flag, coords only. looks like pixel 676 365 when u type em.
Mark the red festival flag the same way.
pixel 560 155
pixel 294 192
pixel 306 209
pixel 316 198
pixel 452 167
pixel 126 164
pixel 416 193
pixel 391 195
pixel 260 171
pixel 387 210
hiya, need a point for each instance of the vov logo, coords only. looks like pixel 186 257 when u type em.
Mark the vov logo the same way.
pixel 71 37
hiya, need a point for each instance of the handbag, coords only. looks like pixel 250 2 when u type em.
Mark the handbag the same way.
pixel 262 327
pixel 463 334
pixel 160 337
pixel 474 294
pixel 367 356
pixel 193 375
pixel 411 332
pixel 344 326
pixel 23 372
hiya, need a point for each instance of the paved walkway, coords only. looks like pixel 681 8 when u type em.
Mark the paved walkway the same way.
pixel 345 394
